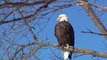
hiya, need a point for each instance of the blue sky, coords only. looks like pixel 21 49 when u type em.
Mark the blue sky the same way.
pixel 80 22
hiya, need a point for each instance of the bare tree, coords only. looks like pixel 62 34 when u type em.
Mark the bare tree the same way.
pixel 22 21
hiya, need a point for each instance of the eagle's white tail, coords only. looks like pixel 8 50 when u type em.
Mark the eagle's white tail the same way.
pixel 66 54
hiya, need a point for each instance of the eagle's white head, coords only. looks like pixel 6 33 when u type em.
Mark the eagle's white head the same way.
pixel 62 17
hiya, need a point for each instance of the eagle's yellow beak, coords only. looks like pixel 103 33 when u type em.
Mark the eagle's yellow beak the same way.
pixel 58 18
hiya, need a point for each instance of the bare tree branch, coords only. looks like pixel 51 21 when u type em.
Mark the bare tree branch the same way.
pixel 29 16
pixel 29 27
pixel 16 4
pixel 93 16
pixel 76 50
pixel 100 7
pixel 91 32
pixel 78 54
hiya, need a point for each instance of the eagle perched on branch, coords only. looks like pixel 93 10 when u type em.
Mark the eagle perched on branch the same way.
pixel 65 35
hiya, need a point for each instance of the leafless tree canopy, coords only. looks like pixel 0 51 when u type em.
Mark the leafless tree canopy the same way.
pixel 21 21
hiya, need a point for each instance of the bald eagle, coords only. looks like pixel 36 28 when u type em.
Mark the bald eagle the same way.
pixel 65 35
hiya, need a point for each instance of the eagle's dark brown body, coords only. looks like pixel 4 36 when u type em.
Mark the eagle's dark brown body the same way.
pixel 64 34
